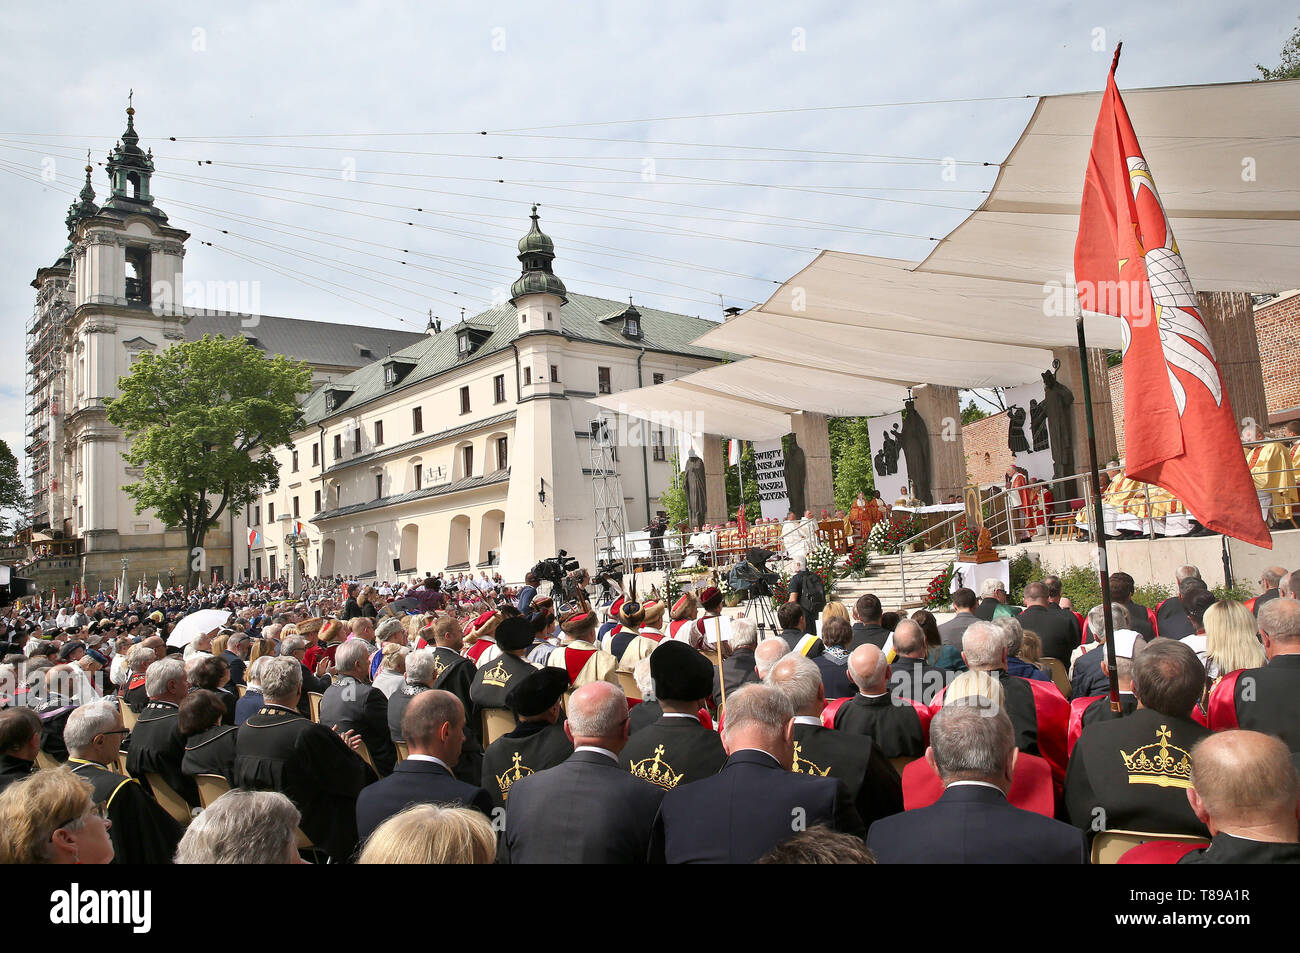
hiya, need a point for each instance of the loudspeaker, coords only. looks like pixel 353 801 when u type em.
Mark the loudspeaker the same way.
pixel 397 565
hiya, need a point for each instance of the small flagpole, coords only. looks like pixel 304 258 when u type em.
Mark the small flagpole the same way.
pixel 1098 521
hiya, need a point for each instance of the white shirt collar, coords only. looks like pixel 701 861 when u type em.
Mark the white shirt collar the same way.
pixel 605 751
pixel 979 784
pixel 681 714
pixel 807 720
pixel 429 757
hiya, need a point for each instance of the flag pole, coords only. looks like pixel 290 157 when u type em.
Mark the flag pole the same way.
pixel 1098 520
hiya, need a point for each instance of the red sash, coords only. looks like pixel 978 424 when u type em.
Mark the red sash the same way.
pixel 832 709
pixel 478 648
pixel 580 656
pixel 1223 703
pixel 925 714
pixel 1155 629
pixel 1077 707
pixel 1083 627
pixel 655 637
pixel 1250 604
pixel 675 627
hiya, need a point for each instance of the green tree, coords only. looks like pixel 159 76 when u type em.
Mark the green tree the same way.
pixel 673 499
pixel 13 496
pixel 203 418
pixel 1289 67
pixel 750 476
pixel 850 459
pixel 972 412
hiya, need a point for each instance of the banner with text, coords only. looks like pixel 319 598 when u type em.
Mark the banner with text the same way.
pixel 769 462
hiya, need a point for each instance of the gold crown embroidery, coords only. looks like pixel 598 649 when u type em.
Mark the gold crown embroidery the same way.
pixel 513 774
pixel 1159 763
pixel 657 771
pixel 439 666
pixel 804 766
pixel 497 675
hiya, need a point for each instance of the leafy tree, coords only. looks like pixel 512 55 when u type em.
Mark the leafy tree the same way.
pixel 203 418
pixel 1289 67
pixel 673 499
pixel 972 412
pixel 12 494
pixel 749 474
pixel 850 459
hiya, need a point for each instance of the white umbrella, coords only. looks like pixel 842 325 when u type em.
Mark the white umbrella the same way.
pixel 196 623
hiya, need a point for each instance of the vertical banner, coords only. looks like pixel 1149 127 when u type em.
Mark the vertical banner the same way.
pixel 1027 429
pixel 887 460
pixel 769 462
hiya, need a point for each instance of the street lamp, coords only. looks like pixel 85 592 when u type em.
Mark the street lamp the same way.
pixel 541 491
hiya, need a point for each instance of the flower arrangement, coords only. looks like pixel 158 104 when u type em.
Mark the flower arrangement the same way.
pixel 937 594
pixel 858 560
pixel 887 536
pixel 967 538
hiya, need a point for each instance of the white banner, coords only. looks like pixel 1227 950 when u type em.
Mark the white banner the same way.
pixel 769 462
pixel 1027 435
pixel 887 460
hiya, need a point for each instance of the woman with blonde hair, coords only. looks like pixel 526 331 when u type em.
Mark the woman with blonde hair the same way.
pixel 834 610
pixel 432 834
pixel 392 669
pixel 1231 639
pixel 51 818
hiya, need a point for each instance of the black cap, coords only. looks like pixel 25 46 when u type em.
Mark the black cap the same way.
pixel 514 633
pixel 70 647
pixel 537 692
pixel 680 673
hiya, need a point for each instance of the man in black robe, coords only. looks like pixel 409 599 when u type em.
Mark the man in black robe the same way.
pixel 157 746
pixel 678 748
pixel 539 741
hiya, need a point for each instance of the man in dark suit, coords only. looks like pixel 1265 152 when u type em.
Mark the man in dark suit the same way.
pixel 590 809
pixel 963 604
pixel 353 704
pixel 911 676
pixel 538 741
pixel 1270 581
pixel 739 668
pixel 157 746
pixel 318 681
pixel 1086 676
pixel 1133 773
pixel 790 617
pixel 678 748
pixel 434 728
pixel 867 629
pixel 236 655
pixel 278 749
pixel 755 802
pixel 1267 699
pixel 973 750
pixel 1057 630
pixel 873 785
pixel 1053 586
pixel 1121 593
pixel 1171 615
pixel 895 728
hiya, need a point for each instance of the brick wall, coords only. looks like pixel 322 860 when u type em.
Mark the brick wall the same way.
pixel 987 453
pixel 1277 325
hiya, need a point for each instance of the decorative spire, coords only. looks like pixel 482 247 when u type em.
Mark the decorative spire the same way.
pixel 129 170
pixel 85 207
pixel 536 254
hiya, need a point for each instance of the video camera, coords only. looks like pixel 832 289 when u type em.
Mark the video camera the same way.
pixel 555 570
pixel 14 587
pixel 751 575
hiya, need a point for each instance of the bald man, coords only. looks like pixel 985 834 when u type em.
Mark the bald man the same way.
pixel 911 676
pixel 1269 580
pixel 769 652
pixel 590 809
pixel 896 729
pixel 1266 699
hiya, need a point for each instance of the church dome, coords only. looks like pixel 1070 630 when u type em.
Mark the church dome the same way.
pixel 536 241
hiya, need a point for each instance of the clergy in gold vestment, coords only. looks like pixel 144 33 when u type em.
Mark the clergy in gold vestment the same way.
pixel 1270 466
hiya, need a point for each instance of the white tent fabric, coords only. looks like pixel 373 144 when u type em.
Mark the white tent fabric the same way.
pixel 1226 161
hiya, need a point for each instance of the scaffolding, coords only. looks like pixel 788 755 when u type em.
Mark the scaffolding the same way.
pixel 44 398
pixel 611 519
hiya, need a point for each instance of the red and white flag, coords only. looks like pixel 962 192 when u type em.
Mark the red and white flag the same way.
pixel 1180 431
pixel 733 452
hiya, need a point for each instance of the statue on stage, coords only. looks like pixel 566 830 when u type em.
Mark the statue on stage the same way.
pixel 696 493
pixel 795 475
pixel 915 441
pixel 1016 429
pixel 891 450
pixel 1058 404
pixel 1038 424
pixel 882 467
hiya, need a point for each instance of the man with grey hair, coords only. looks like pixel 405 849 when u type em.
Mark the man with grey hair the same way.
pixel 238 647
pixel 973 750
pixel 1266 699
pixel 278 749
pixel 1269 581
pixel 755 802
pixel 141 831
pixel 243 827
pixel 897 726
pixel 317 682
pixel 1015 636
pixel 1038 711
pixel 1171 614
pixel 770 651
pixel 873 785
pixel 1132 773
pixel 421 673
pixel 738 668
pixel 136 694
pixel 1086 676
pixel 354 704
pixel 157 746
pixel 589 809
pixel 911 676
pixel 1289 586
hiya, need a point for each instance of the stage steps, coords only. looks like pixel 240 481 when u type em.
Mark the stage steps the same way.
pixel 884 579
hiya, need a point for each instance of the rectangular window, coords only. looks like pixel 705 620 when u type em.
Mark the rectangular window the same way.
pixel 528 375
pixel 503 457
pixel 270 512
pixel 315 454
pixel 467 455
pixel 602 374
pixel 317 501
pixel 271 562
pixel 294 461
pixel 419 475
pixel 555 373
pixel 356 440
pixel 296 514
pixel 258 567
pixel 657 438
pixel 379 485
pixel 338 445
pixel 379 433
pixel 464 400
pixel 417 420
pixel 499 389
pixel 658 378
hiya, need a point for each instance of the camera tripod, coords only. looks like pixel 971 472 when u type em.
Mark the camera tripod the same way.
pixel 759 609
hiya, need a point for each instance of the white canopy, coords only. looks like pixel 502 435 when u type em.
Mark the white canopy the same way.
pixel 1226 161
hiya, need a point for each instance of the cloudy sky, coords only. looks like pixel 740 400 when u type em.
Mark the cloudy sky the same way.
pixel 690 155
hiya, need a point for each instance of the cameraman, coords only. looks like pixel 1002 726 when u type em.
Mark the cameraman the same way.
pixel 528 593
pixel 807 590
